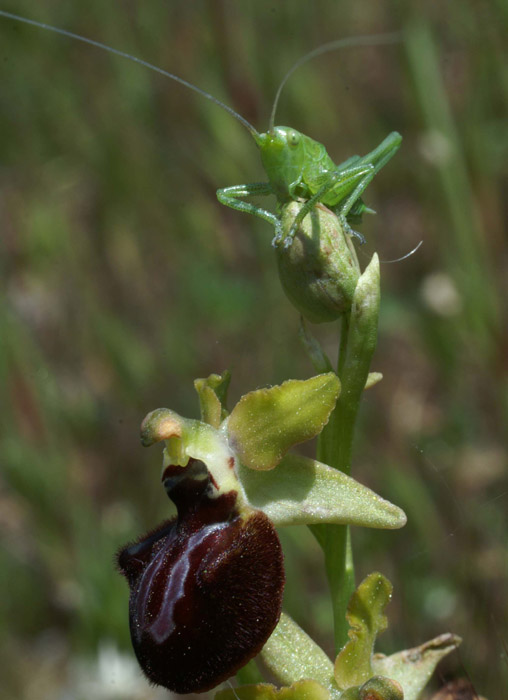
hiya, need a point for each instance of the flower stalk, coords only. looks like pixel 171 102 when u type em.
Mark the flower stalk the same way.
pixel 357 344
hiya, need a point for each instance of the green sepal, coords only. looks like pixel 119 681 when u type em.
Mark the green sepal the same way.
pixel 265 423
pixel 412 668
pixel 212 392
pixel 304 491
pixel 365 615
pixel 291 655
pixel 301 690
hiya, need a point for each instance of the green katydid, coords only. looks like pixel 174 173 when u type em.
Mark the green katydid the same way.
pixel 298 168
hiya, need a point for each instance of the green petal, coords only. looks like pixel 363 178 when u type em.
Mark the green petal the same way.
pixel 212 393
pixel 291 655
pixel 266 423
pixel 186 438
pixel 301 690
pixel 303 491
pixel 413 668
pixel 365 615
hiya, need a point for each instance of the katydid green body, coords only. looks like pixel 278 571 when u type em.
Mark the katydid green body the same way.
pixel 300 168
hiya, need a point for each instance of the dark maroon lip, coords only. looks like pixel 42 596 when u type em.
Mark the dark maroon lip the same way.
pixel 205 588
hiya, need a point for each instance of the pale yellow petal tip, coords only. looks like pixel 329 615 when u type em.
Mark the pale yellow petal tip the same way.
pixel 160 424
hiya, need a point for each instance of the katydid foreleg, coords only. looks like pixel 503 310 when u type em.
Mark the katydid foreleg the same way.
pixel 231 197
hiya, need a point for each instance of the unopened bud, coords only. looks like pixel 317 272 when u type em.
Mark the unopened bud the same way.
pixel 319 270
pixel 381 688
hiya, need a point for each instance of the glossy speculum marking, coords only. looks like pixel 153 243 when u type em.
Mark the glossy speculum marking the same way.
pixel 205 588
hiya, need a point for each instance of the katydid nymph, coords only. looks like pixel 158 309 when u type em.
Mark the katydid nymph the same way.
pixel 298 168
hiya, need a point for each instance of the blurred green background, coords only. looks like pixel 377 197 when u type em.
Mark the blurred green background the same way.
pixel 123 279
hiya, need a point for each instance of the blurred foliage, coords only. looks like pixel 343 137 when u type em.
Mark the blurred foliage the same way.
pixel 123 279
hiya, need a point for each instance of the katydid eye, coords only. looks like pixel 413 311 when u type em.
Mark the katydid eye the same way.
pixel 293 138
pixel 205 587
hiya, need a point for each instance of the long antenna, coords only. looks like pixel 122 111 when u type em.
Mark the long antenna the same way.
pixel 348 42
pixel 407 255
pixel 140 61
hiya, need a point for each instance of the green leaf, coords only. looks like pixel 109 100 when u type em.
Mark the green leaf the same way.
pixel 365 615
pixel 212 393
pixel 303 491
pixel 265 423
pixel 413 668
pixel 301 690
pixel 291 655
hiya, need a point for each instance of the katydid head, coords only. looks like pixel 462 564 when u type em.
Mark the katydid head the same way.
pixel 283 156
pixel 284 151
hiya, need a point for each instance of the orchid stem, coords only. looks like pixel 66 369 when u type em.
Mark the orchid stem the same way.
pixel 358 339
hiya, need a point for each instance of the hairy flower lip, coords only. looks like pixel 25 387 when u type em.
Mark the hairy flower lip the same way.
pixel 205 587
pixel 206 590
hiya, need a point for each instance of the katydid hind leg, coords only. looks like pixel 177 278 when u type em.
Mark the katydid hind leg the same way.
pixel 341 181
pixel 344 208
pixel 377 159
pixel 380 156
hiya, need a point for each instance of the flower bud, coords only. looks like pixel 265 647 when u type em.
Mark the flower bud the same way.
pixel 319 270
pixel 381 688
